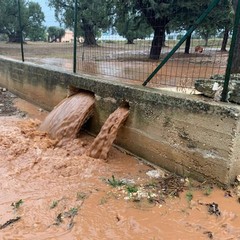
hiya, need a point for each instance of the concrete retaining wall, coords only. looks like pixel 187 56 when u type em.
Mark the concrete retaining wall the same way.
pixel 183 134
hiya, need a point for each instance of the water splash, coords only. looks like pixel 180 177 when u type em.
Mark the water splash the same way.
pixel 103 142
pixel 66 119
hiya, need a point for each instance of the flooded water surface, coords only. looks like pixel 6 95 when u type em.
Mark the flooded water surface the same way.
pixel 51 191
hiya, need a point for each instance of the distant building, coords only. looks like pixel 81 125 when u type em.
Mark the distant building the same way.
pixel 68 37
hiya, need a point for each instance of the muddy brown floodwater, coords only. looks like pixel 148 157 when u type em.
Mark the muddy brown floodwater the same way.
pixel 65 120
pixel 52 192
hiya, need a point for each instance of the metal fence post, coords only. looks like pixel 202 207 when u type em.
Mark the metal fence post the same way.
pixel 20 27
pixel 231 53
pixel 75 38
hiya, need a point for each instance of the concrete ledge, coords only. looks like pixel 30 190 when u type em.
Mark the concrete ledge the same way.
pixel 181 133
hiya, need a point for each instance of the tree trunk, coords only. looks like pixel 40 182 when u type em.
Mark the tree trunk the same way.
pixel 130 41
pixel 53 39
pixel 157 23
pixel 157 41
pixel 89 35
pixel 206 40
pixel 15 37
pixel 188 45
pixel 164 40
pixel 225 39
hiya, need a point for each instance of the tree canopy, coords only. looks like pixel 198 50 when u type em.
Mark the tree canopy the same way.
pixel 55 33
pixel 217 21
pixel 93 16
pixel 34 28
pixel 130 23
pixel 138 18
pixel 32 19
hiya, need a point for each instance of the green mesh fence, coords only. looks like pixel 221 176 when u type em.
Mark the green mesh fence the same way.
pixel 124 40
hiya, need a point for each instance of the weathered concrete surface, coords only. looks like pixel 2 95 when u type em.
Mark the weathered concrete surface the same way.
pixel 213 87
pixel 183 134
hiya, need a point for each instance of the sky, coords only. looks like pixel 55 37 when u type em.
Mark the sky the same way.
pixel 48 12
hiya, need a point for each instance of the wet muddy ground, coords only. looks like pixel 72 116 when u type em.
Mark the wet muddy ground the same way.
pixel 51 192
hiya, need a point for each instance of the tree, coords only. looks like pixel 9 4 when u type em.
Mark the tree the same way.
pixel 206 33
pixel 190 10
pixel 55 33
pixel 158 14
pixel 187 13
pixel 226 23
pixel 3 37
pixel 225 39
pixel 130 23
pixel 163 14
pixel 34 28
pixel 219 19
pixel 93 16
pixel 9 21
pixel 9 24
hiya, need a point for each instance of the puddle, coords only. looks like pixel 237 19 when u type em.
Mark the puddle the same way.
pixel 183 72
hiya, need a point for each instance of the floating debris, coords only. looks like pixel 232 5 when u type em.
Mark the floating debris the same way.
pixel 156 173
pixel 9 222
pixel 58 220
pixel 228 194
pixel 54 204
pixel 69 214
pixel 17 204
pixel 172 185
pixel 213 209
pixel 81 196
pixel 238 178
pixel 126 181
pixel 209 234
pixel 115 182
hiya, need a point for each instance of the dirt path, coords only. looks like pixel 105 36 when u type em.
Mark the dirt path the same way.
pixel 51 192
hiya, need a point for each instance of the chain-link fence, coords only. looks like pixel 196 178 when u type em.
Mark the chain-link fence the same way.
pixel 124 40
